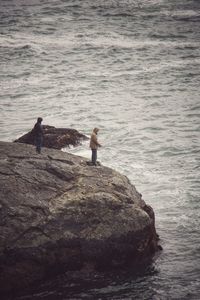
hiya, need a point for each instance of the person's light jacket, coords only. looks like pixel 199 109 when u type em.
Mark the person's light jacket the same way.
pixel 93 141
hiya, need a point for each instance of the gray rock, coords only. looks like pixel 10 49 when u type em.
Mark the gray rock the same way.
pixel 59 214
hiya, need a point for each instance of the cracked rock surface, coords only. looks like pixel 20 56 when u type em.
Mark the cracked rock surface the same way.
pixel 58 214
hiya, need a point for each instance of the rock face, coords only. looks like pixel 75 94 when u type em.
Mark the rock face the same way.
pixel 59 214
pixel 55 138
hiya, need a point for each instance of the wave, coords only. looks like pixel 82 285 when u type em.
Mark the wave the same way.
pixel 182 13
pixel 186 15
pixel 168 36
pixel 10 52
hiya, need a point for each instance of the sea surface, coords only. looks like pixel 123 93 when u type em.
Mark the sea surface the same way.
pixel 131 68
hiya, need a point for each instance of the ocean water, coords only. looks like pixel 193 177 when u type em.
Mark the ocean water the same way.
pixel 131 68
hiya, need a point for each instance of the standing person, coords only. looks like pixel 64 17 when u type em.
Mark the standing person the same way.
pixel 94 144
pixel 38 135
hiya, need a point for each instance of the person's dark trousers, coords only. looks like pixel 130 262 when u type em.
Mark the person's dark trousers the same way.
pixel 94 156
pixel 38 143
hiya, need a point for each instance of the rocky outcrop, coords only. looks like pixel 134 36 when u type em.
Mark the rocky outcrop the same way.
pixel 55 138
pixel 58 214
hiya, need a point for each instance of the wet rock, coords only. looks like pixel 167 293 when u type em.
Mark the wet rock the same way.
pixel 59 214
pixel 55 138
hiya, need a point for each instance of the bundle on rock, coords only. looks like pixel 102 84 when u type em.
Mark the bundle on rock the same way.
pixel 58 214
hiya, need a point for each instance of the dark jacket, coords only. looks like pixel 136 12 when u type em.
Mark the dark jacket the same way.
pixel 38 130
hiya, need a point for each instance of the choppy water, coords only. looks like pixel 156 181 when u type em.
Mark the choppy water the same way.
pixel 132 68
